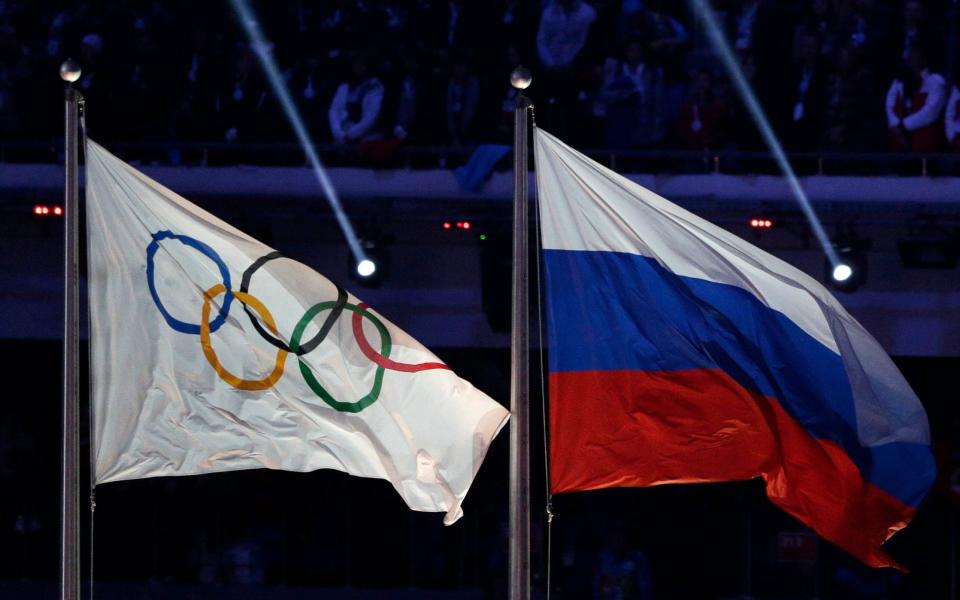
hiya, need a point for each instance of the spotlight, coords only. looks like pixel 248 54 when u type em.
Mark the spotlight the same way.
pixel 372 270
pixel 850 270
pixel 366 268
pixel 842 272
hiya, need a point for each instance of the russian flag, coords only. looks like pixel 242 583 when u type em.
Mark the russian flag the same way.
pixel 679 353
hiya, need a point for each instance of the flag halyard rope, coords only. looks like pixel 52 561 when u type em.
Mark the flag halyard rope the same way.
pixel 543 385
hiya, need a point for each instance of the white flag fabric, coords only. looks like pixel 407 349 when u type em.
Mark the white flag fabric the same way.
pixel 212 352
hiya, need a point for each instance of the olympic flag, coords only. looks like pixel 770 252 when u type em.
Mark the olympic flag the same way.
pixel 195 374
pixel 680 353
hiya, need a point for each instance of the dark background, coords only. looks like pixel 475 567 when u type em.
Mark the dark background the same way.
pixel 264 534
pixel 229 535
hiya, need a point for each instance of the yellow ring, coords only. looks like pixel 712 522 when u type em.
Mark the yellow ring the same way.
pixel 256 305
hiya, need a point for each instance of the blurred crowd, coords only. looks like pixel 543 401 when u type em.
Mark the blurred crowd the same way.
pixel 834 75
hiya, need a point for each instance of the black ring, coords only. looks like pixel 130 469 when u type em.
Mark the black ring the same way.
pixel 324 329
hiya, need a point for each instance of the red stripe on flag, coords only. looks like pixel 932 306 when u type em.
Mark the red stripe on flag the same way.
pixel 642 428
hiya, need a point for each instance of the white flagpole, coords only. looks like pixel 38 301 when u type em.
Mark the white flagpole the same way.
pixel 70 469
pixel 519 351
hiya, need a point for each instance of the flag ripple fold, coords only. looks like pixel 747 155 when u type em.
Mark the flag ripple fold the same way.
pixel 679 353
pixel 212 352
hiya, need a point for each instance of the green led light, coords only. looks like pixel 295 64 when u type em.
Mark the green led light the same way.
pixel 483 236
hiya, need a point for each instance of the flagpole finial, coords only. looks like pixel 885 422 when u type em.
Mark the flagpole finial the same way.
pixel 521 78
pixel 70 71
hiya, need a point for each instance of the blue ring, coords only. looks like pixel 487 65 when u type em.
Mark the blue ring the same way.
pixel 206 251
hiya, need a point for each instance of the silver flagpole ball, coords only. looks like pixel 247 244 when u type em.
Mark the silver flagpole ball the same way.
pixel 521 78
pixel 70 71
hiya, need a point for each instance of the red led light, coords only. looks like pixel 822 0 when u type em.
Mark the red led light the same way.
pixel 446 225
pixel 46 210
pixel 459 224
pixel 57 210
pixel 466 224
pixel 754 222
pixel 38 210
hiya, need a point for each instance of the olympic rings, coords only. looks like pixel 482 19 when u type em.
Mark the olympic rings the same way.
pixel 324 329
pixel 206 251
pixel 240 384
pixel 380 359
pixel 252 305
pixel 385 344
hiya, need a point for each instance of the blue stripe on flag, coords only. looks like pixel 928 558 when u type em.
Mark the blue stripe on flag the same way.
pixel 619 311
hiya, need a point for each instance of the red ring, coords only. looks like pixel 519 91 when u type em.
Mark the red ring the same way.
pixel 380 359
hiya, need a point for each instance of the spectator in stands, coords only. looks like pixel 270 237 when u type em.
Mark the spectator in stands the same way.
pixel 326 28
pixel 742 133
pixel 667 40
pixel 701 116
pixel 805 96
pixel 631 99
pixel 463 95
pixel 461 23
pixel 395 16
pixel 848 122
pixel 562 35
pixel 9 52
pixel 916 30
pixel 406 94
pixel 744 20
pixel 624 571
pixel 240 98
pixel 514 20
pixel 147 90
pixel 244 562
pixel 313 88
pixel 632 20
pixel 355 110
pixel 91 50
pixel 202 91
pixel 564 26
pixel 765 29
pixel 915 102
pixel 30 105
pixel 867 27
pixel 818 20
pixel 667 36
pixel 951 121
pixel 193 97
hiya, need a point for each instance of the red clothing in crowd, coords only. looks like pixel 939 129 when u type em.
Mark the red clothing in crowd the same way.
pixel 701 123
pixel 919 114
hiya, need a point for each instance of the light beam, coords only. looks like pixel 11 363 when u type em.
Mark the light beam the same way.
pixel 705 11
pixel 262 49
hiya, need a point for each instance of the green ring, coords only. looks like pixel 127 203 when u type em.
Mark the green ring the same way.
pixel 385 346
